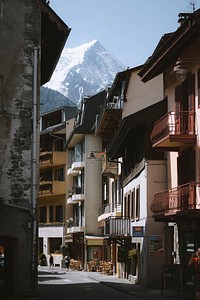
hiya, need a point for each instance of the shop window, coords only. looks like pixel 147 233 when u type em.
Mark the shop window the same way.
pixel 54 245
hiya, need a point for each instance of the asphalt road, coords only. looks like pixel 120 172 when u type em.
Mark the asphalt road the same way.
pixel 56 285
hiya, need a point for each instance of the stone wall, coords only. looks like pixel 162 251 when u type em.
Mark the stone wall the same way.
pixel 20 22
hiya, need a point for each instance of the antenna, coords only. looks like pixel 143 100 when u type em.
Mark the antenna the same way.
pixel 192 5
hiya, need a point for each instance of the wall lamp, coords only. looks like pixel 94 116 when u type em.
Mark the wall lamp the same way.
pixel 181 70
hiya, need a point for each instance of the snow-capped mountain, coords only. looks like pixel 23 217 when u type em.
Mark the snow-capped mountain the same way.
pixel 84 70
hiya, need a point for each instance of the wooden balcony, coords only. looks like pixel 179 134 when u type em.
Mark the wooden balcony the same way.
pixel 52 188
pixel 180 202
pixel 174 130
pixel 109 117
pixel 117 226
pixel 52 158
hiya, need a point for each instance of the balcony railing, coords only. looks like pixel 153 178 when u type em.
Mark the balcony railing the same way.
pixel 52 188
pixel 110 110
pixel 75 222
pixel 75 195
pixel 52 158
pixel 110 208
pixel 182 199
pixel 109 168
pixel 175 125
pixel 117 226
pixel 77 190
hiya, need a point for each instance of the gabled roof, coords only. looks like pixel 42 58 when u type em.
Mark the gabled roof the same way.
pixel 171 47
pixel 54 33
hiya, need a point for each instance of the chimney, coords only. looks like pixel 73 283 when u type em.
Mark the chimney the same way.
pixel 182 17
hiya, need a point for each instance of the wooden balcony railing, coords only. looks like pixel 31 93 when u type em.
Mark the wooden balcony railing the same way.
pixel 176 124
pixel 52 158
pixel 52 188
pixel 117 226
pixel 184 198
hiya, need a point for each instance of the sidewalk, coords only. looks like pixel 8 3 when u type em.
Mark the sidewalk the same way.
pixel 127 287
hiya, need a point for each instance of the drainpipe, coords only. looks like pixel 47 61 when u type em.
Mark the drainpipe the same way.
pixel 34 137
pixel 34 165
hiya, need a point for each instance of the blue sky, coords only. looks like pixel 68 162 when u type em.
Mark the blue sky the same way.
pixel 129 29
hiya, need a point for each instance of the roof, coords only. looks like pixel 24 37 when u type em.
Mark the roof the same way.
pixel 142 117
pixel 86 116
pixel 54 33
pixel 92 107
pixel 70 111
pixel 171 47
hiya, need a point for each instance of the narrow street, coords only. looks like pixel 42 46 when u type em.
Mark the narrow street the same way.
pixel 57 284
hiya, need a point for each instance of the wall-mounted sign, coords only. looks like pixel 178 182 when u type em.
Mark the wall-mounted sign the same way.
pixel 156 245
pixel 138 231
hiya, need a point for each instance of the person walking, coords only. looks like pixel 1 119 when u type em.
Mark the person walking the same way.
pixel 67 262
pixel 195 262
pixel 51 261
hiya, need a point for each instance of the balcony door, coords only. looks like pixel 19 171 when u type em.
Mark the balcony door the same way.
pixel 186 166
pixel 185 105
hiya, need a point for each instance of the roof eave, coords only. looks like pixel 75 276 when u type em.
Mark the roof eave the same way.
pixel 187 33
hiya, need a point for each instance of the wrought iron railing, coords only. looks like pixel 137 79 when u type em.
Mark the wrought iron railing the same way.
pixel 182 198
pixel 109 208
pixel 174 124
pixel 77 190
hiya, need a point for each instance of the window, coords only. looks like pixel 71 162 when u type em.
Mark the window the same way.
pixel 59 213
pixel 137 204
pixel 52 119
pixel 43 215
pixel 51 214
pixel 127 205
pixel 59 174
pixel 78 151
pixel 59 145
pixel 133 205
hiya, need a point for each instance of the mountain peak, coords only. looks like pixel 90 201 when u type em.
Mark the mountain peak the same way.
pixel 84 70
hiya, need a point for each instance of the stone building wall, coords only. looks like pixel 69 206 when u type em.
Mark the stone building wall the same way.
pixel 20 22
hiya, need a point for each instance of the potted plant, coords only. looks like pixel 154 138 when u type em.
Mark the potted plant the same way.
pixel 132 255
